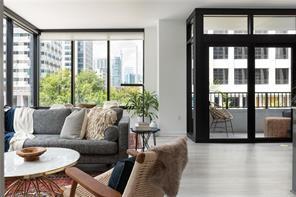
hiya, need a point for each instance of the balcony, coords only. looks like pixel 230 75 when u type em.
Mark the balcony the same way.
pixel 267 104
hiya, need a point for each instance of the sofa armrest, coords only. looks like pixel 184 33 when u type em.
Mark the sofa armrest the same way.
pixel 124 127
pixel 111 133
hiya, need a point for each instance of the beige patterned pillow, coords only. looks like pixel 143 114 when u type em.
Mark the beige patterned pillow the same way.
pixel 98 120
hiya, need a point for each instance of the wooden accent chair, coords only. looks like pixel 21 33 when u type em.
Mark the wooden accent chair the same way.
pixel 220 115
pixel 138 184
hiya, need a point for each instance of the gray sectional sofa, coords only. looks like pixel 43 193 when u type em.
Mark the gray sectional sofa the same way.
pixel 48 125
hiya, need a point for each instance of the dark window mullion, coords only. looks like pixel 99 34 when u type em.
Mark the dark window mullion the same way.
pixel 108 70
pixel 251 94
pixel 9 62
pixel 36 69
pixel 73 72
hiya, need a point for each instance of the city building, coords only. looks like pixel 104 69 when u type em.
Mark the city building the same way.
pixel 66 57
pixel 116 72
pixel 101 68
pixel 84 54
pixel 228 75
pixel 22 61
pixel 51 57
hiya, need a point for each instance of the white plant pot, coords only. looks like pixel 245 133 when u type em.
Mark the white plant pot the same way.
pixel 146 119
pixel 153 124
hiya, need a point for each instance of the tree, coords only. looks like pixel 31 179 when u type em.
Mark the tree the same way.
pixel 55 88
pixel 122 94
pixel 89 88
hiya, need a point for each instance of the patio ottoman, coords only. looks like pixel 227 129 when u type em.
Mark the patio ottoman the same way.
pixel 277 127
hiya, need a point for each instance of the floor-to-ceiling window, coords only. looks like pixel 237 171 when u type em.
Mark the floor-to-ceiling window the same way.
pixel 90 72
pixel 90 67
pixel 126 69
pixel 55 72
pixel 22 67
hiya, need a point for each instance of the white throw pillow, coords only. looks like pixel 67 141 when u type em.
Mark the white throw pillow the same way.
pixel 75 125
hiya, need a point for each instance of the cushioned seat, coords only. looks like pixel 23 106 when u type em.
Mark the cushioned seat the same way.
pixel 101 147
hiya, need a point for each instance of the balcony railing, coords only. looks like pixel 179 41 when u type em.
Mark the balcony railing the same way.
pixel 262 99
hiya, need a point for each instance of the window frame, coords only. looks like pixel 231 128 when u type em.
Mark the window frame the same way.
pixel 281 81
pixel 221 53
pixel 259 73
pixel 281 53
pixel 11 19
pixel 26 102
pixel 221 72
pixel 243 73
pixel 198 126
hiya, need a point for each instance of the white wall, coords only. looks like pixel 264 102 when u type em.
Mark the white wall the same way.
pixel 165 73
pixel 171 51
pixel 150 50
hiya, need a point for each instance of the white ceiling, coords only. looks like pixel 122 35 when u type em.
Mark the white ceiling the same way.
pixel 64 14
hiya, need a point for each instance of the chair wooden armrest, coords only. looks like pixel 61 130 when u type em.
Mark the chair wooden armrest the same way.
pixel 89 183
pixel 132 152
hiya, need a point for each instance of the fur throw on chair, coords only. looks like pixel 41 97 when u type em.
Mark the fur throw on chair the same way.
pixel 171 161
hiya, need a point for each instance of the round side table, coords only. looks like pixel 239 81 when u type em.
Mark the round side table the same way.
pixel 145 134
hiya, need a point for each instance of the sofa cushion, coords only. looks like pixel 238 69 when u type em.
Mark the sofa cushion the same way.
pixel 75 125
pixel 100 147
pixel 49 121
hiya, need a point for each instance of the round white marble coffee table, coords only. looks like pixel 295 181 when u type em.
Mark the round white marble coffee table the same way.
pixel 34 173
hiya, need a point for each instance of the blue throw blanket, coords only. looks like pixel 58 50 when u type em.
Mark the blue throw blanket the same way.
pixel 7 139
pixel 9 130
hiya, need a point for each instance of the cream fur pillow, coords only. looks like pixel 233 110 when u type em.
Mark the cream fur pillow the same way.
pixel 98 120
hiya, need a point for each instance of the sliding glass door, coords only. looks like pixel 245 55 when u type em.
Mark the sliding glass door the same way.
pixel 228 71
pixel 273 92
pixel 231 116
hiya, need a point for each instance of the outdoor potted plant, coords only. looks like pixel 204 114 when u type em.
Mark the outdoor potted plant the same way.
pixel 143 105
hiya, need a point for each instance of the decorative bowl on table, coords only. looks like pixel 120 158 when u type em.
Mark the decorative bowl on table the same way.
pixel 31 153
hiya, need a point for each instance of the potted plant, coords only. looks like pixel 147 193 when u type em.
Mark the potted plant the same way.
pixel 143 105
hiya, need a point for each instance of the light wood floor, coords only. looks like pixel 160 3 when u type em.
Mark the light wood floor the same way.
pixel 237 170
